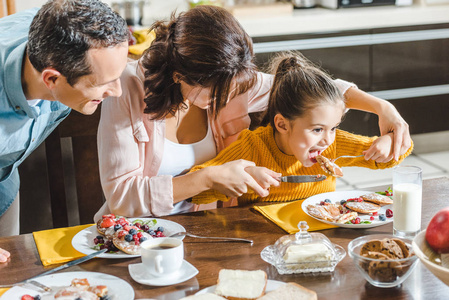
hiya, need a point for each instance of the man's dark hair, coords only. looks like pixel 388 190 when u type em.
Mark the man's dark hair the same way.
pixel 63 31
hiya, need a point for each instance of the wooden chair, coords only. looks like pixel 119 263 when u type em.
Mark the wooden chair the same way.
pixel 82 130
pixel 7 7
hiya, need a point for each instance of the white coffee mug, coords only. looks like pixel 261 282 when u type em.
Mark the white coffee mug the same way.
pixel 163 256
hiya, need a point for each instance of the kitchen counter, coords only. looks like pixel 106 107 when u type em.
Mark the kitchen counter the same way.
pixel 319 20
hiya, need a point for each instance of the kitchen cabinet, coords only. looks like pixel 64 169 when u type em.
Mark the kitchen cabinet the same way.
pixel 407 65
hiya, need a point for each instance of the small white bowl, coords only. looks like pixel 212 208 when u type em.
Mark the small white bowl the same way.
pixel 427 255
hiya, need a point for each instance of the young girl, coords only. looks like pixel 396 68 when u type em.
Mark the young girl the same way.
pixel 305 109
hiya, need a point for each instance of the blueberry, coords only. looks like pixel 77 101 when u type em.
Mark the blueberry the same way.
pixel 143 239
pixel 327 201
pixel 128 237
pixel 117 227
pixel 342 202
pixel 132 231
pixel 382 217
pixel 99 237
pixel 37 297
pixel 160 228
pixel 151 232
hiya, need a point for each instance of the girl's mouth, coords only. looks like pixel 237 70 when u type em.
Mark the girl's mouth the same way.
pixel 313 154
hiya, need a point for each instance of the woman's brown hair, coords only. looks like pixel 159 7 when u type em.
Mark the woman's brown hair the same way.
pixel 207 47
pixel 298 86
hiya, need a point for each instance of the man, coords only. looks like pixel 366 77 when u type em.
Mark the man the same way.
pixel 69 56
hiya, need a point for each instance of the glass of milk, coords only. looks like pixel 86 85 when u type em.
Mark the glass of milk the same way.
pixel 407 201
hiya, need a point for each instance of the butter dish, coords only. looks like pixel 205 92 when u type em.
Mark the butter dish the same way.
pixel 303 252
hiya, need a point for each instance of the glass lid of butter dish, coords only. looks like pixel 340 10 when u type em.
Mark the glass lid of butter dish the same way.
pixel 303 252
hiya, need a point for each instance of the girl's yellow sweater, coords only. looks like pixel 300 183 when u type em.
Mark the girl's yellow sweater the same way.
pixel 260 147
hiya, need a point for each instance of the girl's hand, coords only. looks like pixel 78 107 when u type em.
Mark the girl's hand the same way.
pixel 392 122
pixel 264 176
pixel 381 150
pixel 232 180
pixel 4 255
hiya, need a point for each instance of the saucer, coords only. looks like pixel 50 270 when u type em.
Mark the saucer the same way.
pixel 139 274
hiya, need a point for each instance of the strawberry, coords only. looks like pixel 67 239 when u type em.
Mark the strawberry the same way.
pixel 110 216
pixel 105 223
pixel 27 297
pixel 121 233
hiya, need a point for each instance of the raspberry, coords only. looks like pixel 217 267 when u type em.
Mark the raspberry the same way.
pixel 389 213
pixel 357 221
pixel 371 218
pixel 122 221
pixel 375 213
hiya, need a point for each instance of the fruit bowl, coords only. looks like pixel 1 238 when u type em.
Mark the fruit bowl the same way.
pixel 378 269
pixel 430 258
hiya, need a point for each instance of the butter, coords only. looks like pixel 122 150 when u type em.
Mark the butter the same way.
pixel 307 253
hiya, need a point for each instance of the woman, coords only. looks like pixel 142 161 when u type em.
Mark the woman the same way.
pixel 185 100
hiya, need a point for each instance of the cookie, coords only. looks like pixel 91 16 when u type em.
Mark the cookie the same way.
pixel 371 246
pixel 405 249
pixel 362 207
pixel 384 271
pixel 391 249
pixel 377 198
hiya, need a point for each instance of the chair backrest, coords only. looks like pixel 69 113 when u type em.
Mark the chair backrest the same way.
pixel 7 7
pixel 83 133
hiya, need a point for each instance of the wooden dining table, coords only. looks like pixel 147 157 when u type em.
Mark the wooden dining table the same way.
pixel 209 257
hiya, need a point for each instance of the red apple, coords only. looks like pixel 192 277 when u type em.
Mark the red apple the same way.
pixel 437 234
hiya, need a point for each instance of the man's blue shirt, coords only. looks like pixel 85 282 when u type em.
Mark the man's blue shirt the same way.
pixel 22 127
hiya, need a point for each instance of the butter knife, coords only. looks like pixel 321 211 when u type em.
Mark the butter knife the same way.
pixel 302 178
pixel 64 266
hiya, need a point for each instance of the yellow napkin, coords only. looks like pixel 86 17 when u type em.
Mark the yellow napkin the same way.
pixel 2 291
pixel 55 245
pixel 288 215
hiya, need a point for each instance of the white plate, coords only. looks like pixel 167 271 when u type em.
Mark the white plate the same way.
pixel 139 274
pixel 118 289
pixel 335 197
pixel 83 241
pixel 271 286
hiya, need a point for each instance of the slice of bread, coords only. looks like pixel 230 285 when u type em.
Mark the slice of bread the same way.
pixel 290 291
pixel 241 284
pixel 205 296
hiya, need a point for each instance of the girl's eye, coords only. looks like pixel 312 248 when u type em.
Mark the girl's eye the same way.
pixel 335 128
pixel 318 130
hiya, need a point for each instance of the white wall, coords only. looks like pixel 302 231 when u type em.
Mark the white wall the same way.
pixel 155 10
